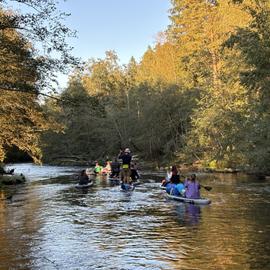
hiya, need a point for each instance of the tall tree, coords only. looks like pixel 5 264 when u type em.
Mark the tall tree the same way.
pixel 161 64
pixel 199 28
pixel 25 72
pixel 40 23
pixel 253 42
pixel 83 132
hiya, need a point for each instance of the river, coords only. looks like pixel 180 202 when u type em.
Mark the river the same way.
pixel 49 224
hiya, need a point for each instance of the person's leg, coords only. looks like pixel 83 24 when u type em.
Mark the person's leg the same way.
pixel 137 174
pixel 132 175
pixel 122 175
pixel 125 176
pixel 128 176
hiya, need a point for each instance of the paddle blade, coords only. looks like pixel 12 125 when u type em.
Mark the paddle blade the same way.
pixel 207 188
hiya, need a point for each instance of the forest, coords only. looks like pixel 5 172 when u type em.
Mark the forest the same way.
pixel 200 94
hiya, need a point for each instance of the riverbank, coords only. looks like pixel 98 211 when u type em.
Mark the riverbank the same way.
pixel 184 168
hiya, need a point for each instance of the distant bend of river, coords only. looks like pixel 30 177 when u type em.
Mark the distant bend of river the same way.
pixel 49 224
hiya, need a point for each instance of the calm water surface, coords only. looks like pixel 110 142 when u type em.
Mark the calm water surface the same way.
pixel 48 224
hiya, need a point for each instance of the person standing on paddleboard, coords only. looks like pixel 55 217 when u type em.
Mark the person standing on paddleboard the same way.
pixel 126 159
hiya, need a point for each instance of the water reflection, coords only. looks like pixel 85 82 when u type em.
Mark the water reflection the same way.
pixel 49 224
pixel 188 214
pixel 20 220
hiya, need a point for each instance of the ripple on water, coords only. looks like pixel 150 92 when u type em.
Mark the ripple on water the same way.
pixel 52 225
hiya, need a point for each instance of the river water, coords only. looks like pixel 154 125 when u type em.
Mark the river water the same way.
pixel 49 224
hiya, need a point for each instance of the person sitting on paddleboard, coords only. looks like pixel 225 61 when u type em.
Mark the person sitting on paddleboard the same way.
pixel 115 167
pixel 179 189
pixel 165 181
pixel 175 177
pixel 98 168
pixel 134 171
pixel 107 169
pixel 192 187
pixel 108 166
pixel 171 177
pixel 175 187
pixel 173 180
pixel 83 178
pixel 126 159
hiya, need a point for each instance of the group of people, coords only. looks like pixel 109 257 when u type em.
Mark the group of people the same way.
pixel 127 169
pixel 190 188
pixel 98 169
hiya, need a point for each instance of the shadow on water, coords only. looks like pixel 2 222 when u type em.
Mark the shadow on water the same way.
pixel 65 179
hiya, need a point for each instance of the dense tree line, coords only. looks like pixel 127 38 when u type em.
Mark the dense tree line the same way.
pixel 114 106
pixel 200 94
pixel 26 72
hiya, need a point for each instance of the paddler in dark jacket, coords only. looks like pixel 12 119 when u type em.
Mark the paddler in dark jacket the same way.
pixel 83 178
pixel 134 171
pixel 115 167
pixel 126 159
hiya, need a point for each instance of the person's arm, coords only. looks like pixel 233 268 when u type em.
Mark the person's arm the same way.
pixel 121 153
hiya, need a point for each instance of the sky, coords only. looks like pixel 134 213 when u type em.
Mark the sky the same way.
pixel 126 26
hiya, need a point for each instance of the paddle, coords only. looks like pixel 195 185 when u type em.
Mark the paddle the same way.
pixel 206 187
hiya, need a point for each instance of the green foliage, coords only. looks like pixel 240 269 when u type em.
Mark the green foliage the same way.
pixel 21 117
pixel 253 44
pixel 229 124
pixel 41 26
pixel 202 93
pixel 25 72
pixel 80 115
pixel 152 119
